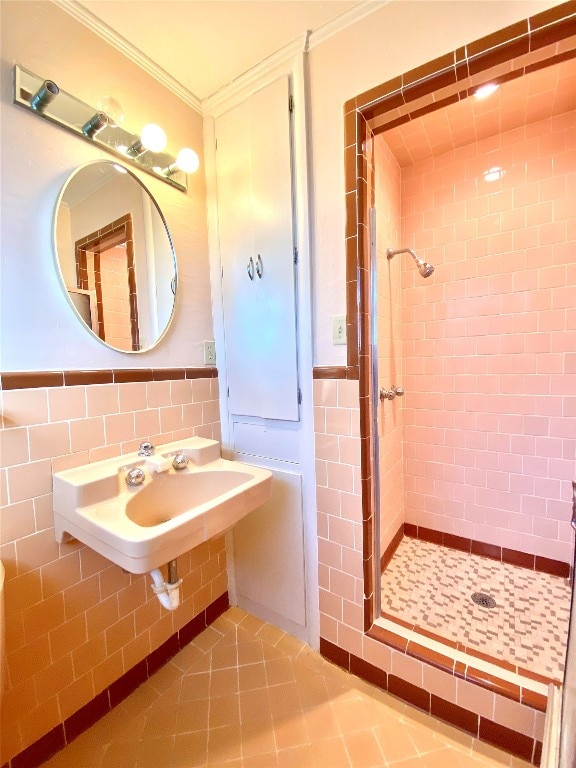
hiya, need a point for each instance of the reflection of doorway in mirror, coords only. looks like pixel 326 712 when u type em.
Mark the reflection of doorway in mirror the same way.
pixel 105 265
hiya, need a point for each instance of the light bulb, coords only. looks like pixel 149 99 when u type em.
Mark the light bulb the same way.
pixel 187 160
pixel 153 138
pixel 493 174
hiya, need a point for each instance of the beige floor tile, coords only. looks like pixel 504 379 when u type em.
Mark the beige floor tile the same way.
pixel 395 741
pixel 154 752
pixel 363 749
pixel 291 732
pixel 207 639
pixel 449 758
pixel 250 653
pixel 269 760
pixel 224 744
pixel 190 750
pixel 195 686
pixel 224 710
pixel 279 671
pixel 255 708
pixel 251 676
pixel 245 695
pixel 330 752
pixel 223 681
pixel 257 739
pixel 192 716
pixel 296 757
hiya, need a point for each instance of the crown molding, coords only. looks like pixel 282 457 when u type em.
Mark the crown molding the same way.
pixel 254 78
pixel 97 26
pixel 345 20
pixel 245 83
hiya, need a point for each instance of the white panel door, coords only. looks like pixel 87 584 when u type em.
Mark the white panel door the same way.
pixel 269 551
pixel 254 179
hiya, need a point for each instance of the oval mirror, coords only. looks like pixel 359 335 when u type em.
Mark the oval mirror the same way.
pixel 115 256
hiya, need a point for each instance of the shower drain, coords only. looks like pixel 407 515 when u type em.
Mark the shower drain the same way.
pixel 484 600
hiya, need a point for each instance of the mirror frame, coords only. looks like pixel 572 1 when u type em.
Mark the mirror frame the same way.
pixel 124 221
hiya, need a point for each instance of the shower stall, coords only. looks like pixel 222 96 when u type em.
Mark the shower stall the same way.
pixel 476 459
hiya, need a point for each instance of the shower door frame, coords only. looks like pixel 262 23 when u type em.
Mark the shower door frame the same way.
pixel 526 46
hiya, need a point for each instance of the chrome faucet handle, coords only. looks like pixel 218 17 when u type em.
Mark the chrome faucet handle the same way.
pixel 146 449
pixel 135 476
pixel 180 461
pixel 390 394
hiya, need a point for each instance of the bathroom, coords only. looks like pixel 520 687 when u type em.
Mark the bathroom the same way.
pixel 76 624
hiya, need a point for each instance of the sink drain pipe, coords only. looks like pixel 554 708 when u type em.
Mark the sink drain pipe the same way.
pixel 168 592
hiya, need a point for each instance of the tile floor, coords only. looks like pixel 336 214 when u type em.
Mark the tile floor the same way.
pixel 246 695
pixel 431 586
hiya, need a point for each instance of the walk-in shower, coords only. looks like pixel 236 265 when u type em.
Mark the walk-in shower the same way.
pixel 424 267
pixel 472 467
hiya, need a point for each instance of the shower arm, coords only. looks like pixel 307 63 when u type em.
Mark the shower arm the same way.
pixel 391 253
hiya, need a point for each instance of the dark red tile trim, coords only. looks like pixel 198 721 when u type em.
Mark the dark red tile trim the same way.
pixel 505 738
pixel 41 750
pixel 335 372
pixel 492 551
pixel 553 567
pixel 33 379
pixel 409 692
pixel 36 379
pixel 86 716
pixel 391 548
pixel 370 673
pixel 335 654
pixel 455 715
pixel 64 733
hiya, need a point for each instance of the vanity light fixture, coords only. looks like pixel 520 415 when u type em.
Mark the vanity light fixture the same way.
pixel 44 95
pixel 103 126
pixel 486 90
pixel 96 123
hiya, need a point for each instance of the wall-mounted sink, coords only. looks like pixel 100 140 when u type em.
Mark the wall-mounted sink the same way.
pixel 142 527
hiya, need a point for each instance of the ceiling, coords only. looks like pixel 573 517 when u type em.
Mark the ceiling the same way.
pixel 205 44
pixel 533 97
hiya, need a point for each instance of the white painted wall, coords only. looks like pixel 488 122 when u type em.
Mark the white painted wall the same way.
pixel 400 36
pixel 39 331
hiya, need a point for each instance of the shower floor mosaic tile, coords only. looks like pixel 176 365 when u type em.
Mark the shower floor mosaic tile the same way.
pixel 244 694
pixel 431 586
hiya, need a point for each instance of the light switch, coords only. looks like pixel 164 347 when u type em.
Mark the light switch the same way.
pixel 339 329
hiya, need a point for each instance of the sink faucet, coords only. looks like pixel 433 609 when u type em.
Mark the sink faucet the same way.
pixel 146 449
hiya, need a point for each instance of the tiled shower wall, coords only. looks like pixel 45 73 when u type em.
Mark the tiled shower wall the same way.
pixel 490 340
pixel 75 622
pixel 340 568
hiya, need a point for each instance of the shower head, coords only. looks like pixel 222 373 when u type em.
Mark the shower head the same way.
pixel 424 267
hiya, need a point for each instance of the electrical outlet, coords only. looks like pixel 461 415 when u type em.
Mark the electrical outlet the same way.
pixel 339 329
pixel 210 353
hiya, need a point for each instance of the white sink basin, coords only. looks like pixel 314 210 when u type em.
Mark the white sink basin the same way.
pixel 141 528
